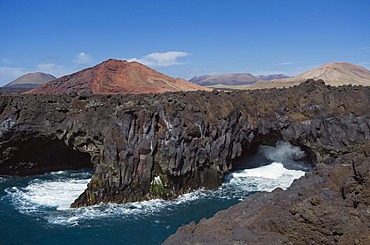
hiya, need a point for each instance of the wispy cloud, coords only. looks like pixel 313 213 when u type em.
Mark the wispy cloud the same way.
pixel 285 63
pixel 265 73
pixel 53 69
pixel 161 59
pixel 364 48
pixel 83 59
pixel 5 61
pixel 8 74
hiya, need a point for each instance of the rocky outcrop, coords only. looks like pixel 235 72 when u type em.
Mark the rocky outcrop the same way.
pixel 162 145
pixel 328 206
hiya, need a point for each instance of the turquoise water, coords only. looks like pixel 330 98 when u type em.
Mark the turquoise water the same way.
pixel 35 210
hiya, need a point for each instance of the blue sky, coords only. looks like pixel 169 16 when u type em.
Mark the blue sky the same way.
pixel 182 38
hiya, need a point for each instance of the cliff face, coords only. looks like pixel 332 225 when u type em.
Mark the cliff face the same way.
pixel 149 146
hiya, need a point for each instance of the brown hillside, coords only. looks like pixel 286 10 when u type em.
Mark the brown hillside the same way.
pixel 117 77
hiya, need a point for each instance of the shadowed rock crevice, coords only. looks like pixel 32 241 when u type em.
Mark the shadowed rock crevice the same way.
pixel 29 154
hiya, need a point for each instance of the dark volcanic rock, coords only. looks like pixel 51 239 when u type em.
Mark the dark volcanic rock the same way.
pixel 12 91
pixel 149 146
pixel 327 206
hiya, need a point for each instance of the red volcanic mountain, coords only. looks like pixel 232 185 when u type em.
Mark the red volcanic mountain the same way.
pixel 116 77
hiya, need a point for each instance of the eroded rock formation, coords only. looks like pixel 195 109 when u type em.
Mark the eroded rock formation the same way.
pixel 162 145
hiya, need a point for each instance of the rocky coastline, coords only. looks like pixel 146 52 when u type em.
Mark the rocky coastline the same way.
pixel 162 145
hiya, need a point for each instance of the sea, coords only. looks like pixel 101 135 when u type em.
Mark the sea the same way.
pixel 35 209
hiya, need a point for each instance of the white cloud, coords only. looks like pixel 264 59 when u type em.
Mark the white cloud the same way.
pixel 83 59
pixel 46 67
pixel 285 63
pixel 161 59
pixel 365 48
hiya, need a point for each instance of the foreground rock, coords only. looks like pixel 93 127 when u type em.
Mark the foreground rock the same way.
pixel 328 206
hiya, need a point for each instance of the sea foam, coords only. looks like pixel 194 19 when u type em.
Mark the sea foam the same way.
pixel 58 194
pixel 265 178
pixel 49 197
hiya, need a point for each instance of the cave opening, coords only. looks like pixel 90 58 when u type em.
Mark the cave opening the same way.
pixel 267 162
pixel 270 148
pixel 31 155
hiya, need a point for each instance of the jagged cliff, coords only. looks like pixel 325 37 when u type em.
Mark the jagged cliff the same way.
pixel 162 145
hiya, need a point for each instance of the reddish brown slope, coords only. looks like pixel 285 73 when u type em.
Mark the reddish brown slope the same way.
pixel 117 77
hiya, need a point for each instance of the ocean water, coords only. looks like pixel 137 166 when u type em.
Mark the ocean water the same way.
pixel 35 210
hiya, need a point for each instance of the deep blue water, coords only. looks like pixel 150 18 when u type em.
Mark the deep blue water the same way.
pixel 149 223
pixel 34 210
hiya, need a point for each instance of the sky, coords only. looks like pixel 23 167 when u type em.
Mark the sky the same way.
pixel 182 38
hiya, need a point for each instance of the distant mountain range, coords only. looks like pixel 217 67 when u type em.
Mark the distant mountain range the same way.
pixel 123 77
pixel 334 74
pixel 233 79
pixel 30 80
pixel 272 77
pixel 116 77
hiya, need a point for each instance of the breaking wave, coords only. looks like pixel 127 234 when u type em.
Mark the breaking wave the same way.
pixel 48 196
pixel 50 199
pixel 289 155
